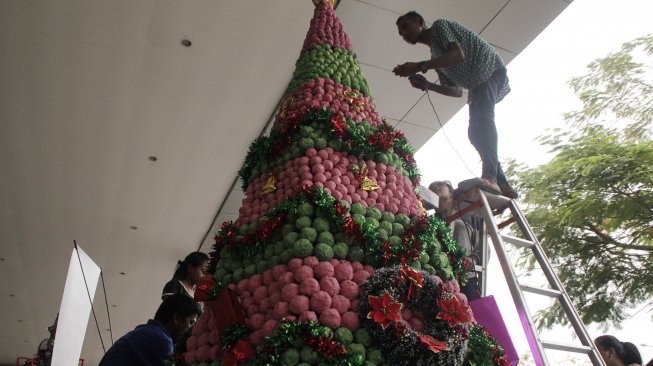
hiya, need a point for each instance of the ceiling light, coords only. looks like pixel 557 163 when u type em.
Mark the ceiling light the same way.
pixel 152 158
pixel 134 227
pixel 123 273
pixel 186 42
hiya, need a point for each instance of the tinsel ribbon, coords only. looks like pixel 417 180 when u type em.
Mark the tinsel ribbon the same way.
pixel 270 185
pixel 241 351
pixel 415 281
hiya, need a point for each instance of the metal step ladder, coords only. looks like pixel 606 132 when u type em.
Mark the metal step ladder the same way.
pixel 486 205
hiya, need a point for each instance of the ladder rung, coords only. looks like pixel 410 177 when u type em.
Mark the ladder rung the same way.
pixel 566 347
pixel 541 291
pixel 522 243
pixel 478 268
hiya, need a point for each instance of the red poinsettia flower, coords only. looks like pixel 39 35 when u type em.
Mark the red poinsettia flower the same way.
pixel 416 280
pixel 433 345
pixel 384 311
pixel 453 311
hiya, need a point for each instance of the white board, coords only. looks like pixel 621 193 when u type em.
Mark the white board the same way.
pixel 75 309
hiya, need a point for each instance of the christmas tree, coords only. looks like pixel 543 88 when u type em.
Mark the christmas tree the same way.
pixel 332 260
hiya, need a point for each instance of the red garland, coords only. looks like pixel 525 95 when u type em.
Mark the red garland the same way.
pixel 326 347
pixel 339 126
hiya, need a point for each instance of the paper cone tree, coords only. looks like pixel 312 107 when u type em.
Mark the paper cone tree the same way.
pixel 332 258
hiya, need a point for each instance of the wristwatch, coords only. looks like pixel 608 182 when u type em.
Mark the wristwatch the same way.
pixel 424 66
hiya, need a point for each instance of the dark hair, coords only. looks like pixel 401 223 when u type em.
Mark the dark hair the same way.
pixel 411 14
pixel 194 259
pixel 626 351
pixel 179 304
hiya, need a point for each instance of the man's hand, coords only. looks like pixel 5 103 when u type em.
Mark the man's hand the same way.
pixel 418 81
pixel 468 264
pixel 406 69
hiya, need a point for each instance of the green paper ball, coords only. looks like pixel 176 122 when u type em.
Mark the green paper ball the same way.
pixel 372 221
pixel 358 218
pixel 397 229
pixel 344 335
pixel 286 228
pixel 382 234
pixel 358 208
pixel 361 336
pixel 308 355
pixel 302 248
pixel 394 240
pixel 287 255
pixel 402 219
pixel 374 356
pixel 326 238
pixel 323 252
pixel 340 250
pixel 321 224
pixel 302 222
pixel 357 349
pixel 355 254
pixel 386 226
pixel 280 246
pixel 374 213
pixel 306 209
pixel 290 357
pixel 308 233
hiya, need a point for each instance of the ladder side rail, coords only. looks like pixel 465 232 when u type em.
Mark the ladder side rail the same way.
pixel 485 255
pixel 532 336
pixel 556 284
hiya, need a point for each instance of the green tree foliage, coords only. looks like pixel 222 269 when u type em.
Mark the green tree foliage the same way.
pixel 591 206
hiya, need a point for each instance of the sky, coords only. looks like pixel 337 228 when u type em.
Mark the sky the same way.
pixel 586 30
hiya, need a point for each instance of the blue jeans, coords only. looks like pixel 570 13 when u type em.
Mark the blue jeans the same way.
pixel 482 131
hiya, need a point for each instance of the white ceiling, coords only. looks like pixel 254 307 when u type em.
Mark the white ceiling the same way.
pixel 90 89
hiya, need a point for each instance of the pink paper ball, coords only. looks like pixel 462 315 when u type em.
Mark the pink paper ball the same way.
pixel 267 278
pixel 269 326
pixel 256 321
pixel 260 293
pixel 334 262
pixel 311 261
pixel 252 309
pixel 307 315
pixel 191 343
pixel 340 303
pixel 360 276
pixel 247 301
pixel 324 269
pixel 355 303
pixel 265 305
pixel 320 301
pixel 278 270
pixel 330 318
pixel 203 339
pixel 216 351
pixel 330 285
pixel 303 272
pixel 280 310
pixel 343 271
pixel 309 286
pixel 256 338
pixel 289 291
pixel 242 286
pixel 287 278
pixel 190 357
pixel 350 320
pixel 299 304
pixel 349 289
pixel 275 297
pixel 295 263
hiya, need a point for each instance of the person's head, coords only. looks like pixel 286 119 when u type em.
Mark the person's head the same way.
pixel 444 190
pixel 617 353
pixel 177 313
pixel 192 267
pixel 410 25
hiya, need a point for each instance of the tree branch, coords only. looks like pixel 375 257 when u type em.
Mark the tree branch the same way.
pixel 610 240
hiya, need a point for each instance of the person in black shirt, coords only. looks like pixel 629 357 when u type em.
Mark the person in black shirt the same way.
pixel 188 274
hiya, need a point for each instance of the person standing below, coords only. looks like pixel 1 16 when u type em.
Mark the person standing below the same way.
pixel 463 233
pixel 617 353
pixel 462 59
pixel 151 344
pixel 188 274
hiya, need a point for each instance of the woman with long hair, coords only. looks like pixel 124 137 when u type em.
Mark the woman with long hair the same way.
pixel 188 274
